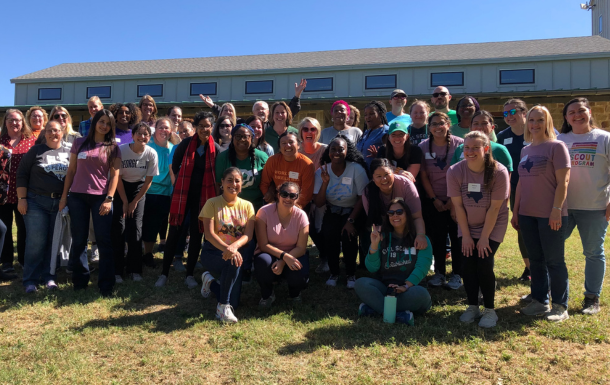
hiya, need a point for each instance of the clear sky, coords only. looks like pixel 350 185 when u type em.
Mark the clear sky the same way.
pixel 48 33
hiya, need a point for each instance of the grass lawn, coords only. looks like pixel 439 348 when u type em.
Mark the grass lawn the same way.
pixel 147 335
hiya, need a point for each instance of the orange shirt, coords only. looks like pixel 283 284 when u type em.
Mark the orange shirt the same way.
pixel 300 171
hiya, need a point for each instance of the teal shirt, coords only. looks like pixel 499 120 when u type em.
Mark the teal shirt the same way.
pixel 499 152
pixel 271 137
pixel 251 178
pixel 423 261
pixel 161 184
pixel 461 132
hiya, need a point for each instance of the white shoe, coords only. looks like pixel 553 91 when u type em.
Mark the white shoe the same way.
pixel 206 279
pixel 225 313
pixel 190 282
pixel 471 313
pixel 558 313
pixel 161 281
pixel 95 254
pixel 332 280
pixel 489 319
pixel 118 279
pixel 136 277
pixel 351 282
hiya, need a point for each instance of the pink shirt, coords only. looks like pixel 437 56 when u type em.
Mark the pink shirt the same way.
pixel 284 239
pixel 465 183
pixel 404 188
pixel 436 164
pixel 537 178
pixel 92 169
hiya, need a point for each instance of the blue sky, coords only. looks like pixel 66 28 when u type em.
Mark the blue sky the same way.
pixel 50 33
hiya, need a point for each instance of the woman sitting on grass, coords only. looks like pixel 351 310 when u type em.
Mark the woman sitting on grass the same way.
pixel 398 264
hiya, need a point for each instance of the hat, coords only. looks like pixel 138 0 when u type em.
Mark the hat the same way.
pixel 398 126
pixel 398 92
pixel 240 125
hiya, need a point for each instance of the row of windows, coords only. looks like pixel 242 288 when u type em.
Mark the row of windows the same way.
pixel 449 79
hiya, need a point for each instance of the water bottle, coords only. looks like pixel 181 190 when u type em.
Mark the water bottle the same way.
pixel 389 306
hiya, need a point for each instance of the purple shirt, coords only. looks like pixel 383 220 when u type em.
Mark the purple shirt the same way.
pixel 91 169
pixel 436 164
pixel 402 187
pixel 123 137
pixel 537 178
pixel 465 183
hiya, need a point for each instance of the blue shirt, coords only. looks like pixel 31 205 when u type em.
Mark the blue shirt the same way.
pixel 406 118
pixel 161 184
pixel 371 138
pixel 83 127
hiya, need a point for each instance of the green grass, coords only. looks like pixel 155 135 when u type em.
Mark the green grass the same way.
pixel 146 335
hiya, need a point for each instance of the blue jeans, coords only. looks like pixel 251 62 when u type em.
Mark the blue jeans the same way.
pixel 372 292
pixel 592 226
pixel 228 288
pixel 297 279
pixel 80 207
pixel 40 224
pixel 545 248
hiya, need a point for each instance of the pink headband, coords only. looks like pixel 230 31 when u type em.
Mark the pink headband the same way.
pixel 340 102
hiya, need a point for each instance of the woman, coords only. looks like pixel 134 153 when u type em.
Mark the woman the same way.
pixel 175 114
pixel 288 165
pixel 399 150
pixel 228 222
pixel 540 202
pixel 281 230
pixel 258 125
pixel 91 180
pixel 194 166
pixel 62 115
pixel 94 104
pixel 465 109
pixel 40 183
pixel 398 264
pixel 515 111
pixel 159 194
pixel 354 116
pixel 376 130
pixel 127 115
pixel 418 129
pixel 479 190
pixel 339 113
pixel 309 136
pixel 36 118
pixel 339 186
pixel 281 117
pixel 227 109
pixel 438 149
pixel 148 109
pixel 222 132
pixel 588 193
pixel 15 141
pixel 139 166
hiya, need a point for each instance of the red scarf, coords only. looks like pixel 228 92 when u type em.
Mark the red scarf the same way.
pixel 183 182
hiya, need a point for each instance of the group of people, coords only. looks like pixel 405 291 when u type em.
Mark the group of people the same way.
pixel 243 196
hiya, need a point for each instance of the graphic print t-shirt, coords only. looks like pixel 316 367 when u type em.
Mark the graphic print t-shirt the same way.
pixel 43 169
pixel 136 167
pixel 229 219
pixel 436 164
pixel 251 177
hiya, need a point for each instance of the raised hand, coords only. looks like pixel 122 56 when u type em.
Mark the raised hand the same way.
pixel 298 88
pixel 207 100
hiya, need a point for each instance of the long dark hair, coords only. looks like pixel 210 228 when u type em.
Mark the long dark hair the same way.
pixel 490 164
pixel 262 142
pixel 233 154
pixel 283 187
pixel 352 155
pixel 109 142
pixel 565 128
pixel 410 231
pixel 371 191
pixel 389 150
pixel 445 117
pixel 216 131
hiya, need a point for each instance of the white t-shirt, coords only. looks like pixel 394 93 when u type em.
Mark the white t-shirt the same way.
pixel 589 187
pixel 343 190
pixel 136 167
pixel 352 133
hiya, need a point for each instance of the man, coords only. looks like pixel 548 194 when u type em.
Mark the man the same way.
pixel 94 105
pixel 440 102
pixel 398 101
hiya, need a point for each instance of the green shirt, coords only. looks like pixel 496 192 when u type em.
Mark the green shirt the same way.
pixel 452 115
pixel 499 152
pixel 271 137
pixel 461 132
pixel 250 189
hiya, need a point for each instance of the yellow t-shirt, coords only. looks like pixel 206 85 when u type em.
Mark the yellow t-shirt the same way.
pixel 229 220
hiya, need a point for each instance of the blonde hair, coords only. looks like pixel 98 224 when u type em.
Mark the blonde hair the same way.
pixel 45 116
pixel 69 130
pixel 549 129
pixel 25 129
pixel 233 118
pixel 150 99
pixel 356 115
pixel 95 98
pixel 490 163
pixel 313 121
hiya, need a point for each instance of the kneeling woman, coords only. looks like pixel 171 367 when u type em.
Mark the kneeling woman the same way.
pixel 228 223
pixel 479 190
pixel 282 230
pixel 398 264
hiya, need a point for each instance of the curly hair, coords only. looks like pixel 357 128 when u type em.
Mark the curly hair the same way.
pixel 356 112
pixel 352 154
pixel 28 114
pixel 233 153
pixel 134 111
pixel 381 110
pixel 203 115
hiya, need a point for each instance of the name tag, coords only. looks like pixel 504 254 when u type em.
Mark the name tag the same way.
pixel 508 141
pixel 346 180
pixel 523 159
pixel 568 145
pixel 413 251
pixel 474 187
pixel 255 172
pixel 430 156
pixel 141 163
pixel 82 155
pixel 63 155
pixel 118 140
pixel 293 175
pixel 462 156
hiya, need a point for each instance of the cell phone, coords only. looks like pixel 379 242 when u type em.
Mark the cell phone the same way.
pixel 391 291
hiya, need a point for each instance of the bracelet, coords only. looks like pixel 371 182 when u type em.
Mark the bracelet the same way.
pixel 23 198
pixel 282 255
pixel 372 251
pixel 558 208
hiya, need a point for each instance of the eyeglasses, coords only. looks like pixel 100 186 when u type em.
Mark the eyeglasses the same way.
pixel 399 97
pixel 438 124
pixel 309 129
pixel 239 137
pixel 225 126
pixel 397 212
pixel 60 116
pixel 14 120
pixel 437 94
pixel 510 112
pixel 286 194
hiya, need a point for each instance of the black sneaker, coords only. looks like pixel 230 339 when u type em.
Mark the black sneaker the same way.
pixel 246 278
pixel 161 247
pixel 149 260
pixel 590 305
pixel 7 276
pixel 526 276
pixel 8 267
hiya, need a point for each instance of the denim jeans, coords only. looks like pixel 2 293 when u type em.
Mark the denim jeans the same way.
pixel 297 279
pixel 592 226
pixel 40 224
pixel 522 247
pixel 372 292
pixel 228 287
pixel 81 206
pixel 545 248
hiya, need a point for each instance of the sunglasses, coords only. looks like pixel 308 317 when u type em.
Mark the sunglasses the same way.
pixel 510 112
pixel 437 94
pixel 60 116
pixel 309 129
pixel 397 212
pixel 286 194
pixel 242 137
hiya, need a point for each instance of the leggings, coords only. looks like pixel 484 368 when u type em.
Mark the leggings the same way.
pixel 192 222
pixel 297 279
pixel 438 225
pixel 479 273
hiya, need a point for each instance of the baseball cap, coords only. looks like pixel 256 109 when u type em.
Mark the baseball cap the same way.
pixel 398 92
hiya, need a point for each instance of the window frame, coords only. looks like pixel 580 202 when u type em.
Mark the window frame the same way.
pixel 101 97
pixel 259 81
pixel 332 84
pixel 514 70
pixel 61 93
pixel 208 93
pixel 146 93
pixel 366 78
pixel 432 85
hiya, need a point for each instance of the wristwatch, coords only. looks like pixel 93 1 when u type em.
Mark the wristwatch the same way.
pixel 110 198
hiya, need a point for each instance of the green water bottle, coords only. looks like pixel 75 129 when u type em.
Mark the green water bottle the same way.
pixel 389 306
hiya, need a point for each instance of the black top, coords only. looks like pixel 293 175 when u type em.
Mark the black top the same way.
pixel 198 168
pixel 415 156
pixel 42 170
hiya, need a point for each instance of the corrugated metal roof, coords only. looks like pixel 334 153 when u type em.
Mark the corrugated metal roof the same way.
pixel 322 59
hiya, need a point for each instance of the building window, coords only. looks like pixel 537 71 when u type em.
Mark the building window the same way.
pixel 380 81
pixel 49 94
pixel 259 87
pixel 517 77
pixel 101 92
pixel 203 89
pixel 601 25
pixel 319 84
pixel 150 89
pixel 446 79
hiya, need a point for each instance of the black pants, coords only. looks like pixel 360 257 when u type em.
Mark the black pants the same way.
pixel 8 251
pixel 297 280
pixel 128 229
pixel 192 221
pixel 334 240
pixel 438 225
pixel 479 273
